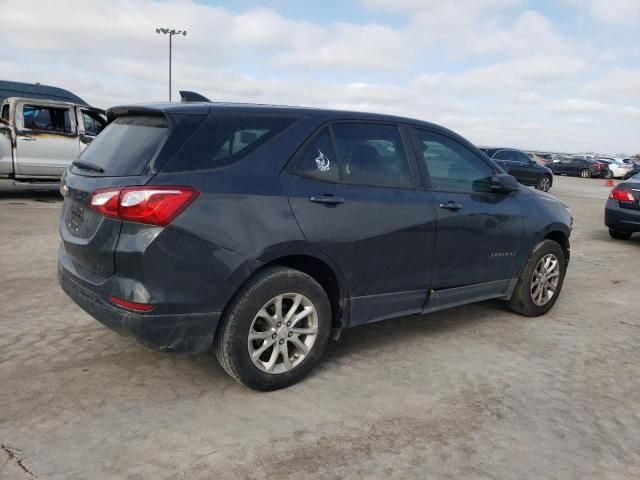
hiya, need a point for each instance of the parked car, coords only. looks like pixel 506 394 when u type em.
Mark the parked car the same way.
pixel 521 166
pixel 257 230
pixel 616 168
pixel 622 212
pixel 580 167
pixel 635 170
pixel 42 134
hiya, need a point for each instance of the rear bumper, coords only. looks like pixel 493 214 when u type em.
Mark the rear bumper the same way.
pixel 185 332
pixel 621 219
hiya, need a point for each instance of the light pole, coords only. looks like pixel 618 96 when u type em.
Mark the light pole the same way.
pixel 171 32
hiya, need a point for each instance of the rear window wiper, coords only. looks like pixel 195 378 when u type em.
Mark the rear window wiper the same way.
pixel 87 166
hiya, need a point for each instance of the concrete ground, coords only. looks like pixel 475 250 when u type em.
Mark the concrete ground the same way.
pixel 474 392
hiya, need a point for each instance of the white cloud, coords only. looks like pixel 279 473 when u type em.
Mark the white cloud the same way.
pixel 614 12
pixel 576 105
pixel 494 70
pixel 615 83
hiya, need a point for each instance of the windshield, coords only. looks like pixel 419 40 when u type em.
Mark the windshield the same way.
pixel 127 145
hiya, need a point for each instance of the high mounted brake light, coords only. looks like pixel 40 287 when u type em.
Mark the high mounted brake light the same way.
pixel 153 205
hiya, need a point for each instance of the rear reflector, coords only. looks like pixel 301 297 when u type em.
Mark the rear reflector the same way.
pixel 622 195
pixel 153 205
pixel 136 307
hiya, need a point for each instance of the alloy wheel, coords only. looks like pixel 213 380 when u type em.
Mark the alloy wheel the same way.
pixel 545 184
pixel 283 333
pixel 544 282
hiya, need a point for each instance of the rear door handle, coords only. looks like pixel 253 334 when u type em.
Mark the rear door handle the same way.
pixel 453 206
pixel 327 199
pixel 27 139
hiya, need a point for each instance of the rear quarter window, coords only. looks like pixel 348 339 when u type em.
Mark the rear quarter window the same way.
pixel 224 139
pixel 127 145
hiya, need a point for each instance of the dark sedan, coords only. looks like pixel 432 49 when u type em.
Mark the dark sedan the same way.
pixel 582 167
pixel 622 213
pixel 518 164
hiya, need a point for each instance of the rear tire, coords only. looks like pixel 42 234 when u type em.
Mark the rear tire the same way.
pixel 585 173
pixel 544 184
pixel 541 281
pixel 618 235
pixel 276 355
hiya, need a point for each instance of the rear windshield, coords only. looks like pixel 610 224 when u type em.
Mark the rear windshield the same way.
pixel 127 144
pixel 221 140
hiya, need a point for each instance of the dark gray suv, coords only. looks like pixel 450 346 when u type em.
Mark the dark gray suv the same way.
pixel 258 231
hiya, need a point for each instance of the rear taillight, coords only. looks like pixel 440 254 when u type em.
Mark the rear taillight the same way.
pixel 622 195
pixel 153 205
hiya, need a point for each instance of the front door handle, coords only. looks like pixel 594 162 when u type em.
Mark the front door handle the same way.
pixel 27 139
pixel 453 206
pixel 327 199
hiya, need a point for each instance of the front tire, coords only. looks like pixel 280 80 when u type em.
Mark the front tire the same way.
pixel 539 285
pixel 275 330
pixel 618 235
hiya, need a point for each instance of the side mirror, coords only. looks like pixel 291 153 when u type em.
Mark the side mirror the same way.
pixel 504 183
pixel 86 138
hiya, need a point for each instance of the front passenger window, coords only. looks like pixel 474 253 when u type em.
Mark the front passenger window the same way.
pixel 452 166
pixel 48 119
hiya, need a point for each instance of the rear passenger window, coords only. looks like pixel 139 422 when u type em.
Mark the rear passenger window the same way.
pixel 319 159
pixel 452 166
pixel 221 140
pixel 372 154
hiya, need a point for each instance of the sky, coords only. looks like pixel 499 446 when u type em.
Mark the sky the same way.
pixel 559 75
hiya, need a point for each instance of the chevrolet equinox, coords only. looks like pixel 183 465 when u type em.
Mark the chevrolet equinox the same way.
pixel 259 232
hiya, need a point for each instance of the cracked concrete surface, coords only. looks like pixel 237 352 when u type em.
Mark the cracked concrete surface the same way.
pixel 474 392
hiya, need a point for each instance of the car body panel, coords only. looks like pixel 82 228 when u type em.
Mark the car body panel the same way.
pixel 492 223
pixel 392 250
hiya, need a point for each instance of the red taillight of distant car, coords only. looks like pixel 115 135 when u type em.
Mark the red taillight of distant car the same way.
pixel 622 195
pixel 152 205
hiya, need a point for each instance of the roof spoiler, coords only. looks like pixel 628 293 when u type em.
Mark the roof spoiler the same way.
pixel 187 96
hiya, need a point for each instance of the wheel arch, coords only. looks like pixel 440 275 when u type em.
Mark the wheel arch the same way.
pixel 332 282
pixel 562 239
pixel 303 257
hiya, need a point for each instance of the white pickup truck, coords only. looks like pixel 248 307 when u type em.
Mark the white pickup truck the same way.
pixel 42 132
